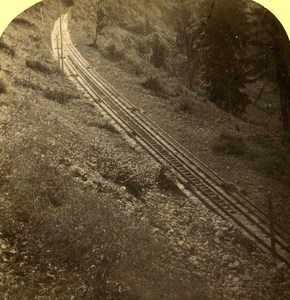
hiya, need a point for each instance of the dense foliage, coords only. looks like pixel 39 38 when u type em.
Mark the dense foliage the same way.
pixel 237 43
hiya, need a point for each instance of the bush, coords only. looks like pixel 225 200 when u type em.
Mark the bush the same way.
pixel 3 87
pixel 114 54
pixel 153 84
pixel 143 47
pixel 27 84
pixel 159 53
pixel 38 66
pixel 185 104
pixel 273 164
pixel 137 28
pixel 59 95
pixel 6 49
pixel 133 67
pixel 229 143
pixel 108 126
pixel 68 2
pixel 21 21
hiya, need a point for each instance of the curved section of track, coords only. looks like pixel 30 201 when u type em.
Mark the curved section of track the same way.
pixel 219 196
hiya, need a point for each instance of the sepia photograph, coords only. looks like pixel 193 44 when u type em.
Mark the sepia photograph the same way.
pixel 145 151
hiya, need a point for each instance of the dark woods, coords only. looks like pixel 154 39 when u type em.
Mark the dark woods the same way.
pixel 233 44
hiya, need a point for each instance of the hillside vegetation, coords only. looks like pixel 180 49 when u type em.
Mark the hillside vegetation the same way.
pixel 83 214
pixel 173 60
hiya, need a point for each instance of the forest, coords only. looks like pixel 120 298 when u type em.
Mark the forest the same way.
pixel 224 49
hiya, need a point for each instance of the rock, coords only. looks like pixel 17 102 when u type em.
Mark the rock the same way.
pixel 123 189
pixel 241 295
pixel 219 234
pixel 181 243
pixel 194 261
pixel 155 230
pixel 226 257
pixel 234 266
pixel 217 240
pixel 281 266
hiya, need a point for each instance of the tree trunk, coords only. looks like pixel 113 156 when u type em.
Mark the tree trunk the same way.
pixel 95 38
pixel 283 79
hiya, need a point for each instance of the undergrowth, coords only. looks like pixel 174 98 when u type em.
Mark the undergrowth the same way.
pixel 38 66
pixel 112 53
pixel 27 84
pixel 60 95
pixel 57 229
pixel 273 163
pixel 229 143
pixel 154 84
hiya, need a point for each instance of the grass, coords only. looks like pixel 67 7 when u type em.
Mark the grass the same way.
pixel 65 238
pixel 272 163
pixel 58 231
pixel 229 143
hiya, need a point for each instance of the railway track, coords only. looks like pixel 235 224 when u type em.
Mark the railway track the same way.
pixel 214 192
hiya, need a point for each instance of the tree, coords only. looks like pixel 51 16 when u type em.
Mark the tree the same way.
pixel 101 21
pixel 159 52
pixel 184 16
pixel 270 58
pixel 225 36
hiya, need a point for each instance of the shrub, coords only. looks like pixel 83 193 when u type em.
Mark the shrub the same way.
pixel 185 105
pixel 59 95
pixel 133 67
pixel 153 84
pixel 27 84
pixel 164 178
pixel 38 66
pixel 159 53
pixel 6 49
pixel 114 54
pixel 273 164
pixel 137 28
pixel 229 143
pixel 107 126
pixel 21 21
pixel 3 87
pixel 143 47
pixel 68 2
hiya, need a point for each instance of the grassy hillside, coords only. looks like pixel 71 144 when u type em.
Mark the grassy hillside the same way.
pixel 252 148
pixel 84 215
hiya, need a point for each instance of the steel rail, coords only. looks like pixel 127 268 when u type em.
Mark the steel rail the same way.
pixel 196 183
pixel 164 148
pixel 106 88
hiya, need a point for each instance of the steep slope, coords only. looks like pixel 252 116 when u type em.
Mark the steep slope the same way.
pixel 83 215
pixel 242 151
